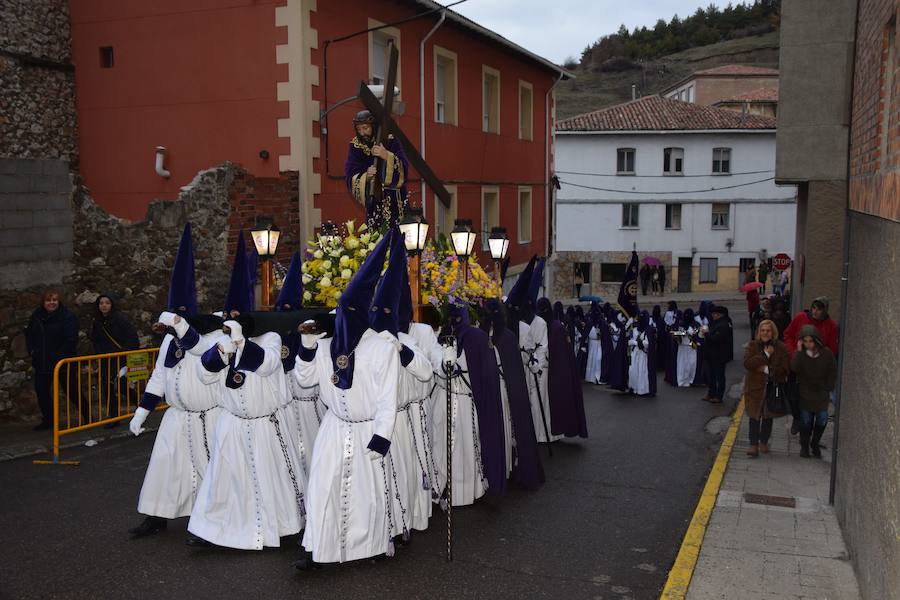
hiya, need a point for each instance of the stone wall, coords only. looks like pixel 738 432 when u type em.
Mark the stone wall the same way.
pixel 563 269
pixel 133 261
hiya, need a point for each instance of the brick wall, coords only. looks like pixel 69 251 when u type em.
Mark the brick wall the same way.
pixel 276 197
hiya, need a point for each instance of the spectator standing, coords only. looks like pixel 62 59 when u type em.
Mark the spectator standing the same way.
pixel 752 305
pixel 718 352
pixel 111 332
pixel 816 371
pixel 763 275
pixel 782 282
pixel 766 358
pixel 662 279
pixel 762 312
pixel 644 275
pixel 579 281
pixel 750 275
pixel 51 336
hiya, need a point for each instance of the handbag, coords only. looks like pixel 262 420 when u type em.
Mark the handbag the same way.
pixel 777 404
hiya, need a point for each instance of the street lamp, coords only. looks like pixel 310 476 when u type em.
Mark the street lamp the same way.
pixel 414 228
pixel 499 245
pixel 463 241
pixel 266 241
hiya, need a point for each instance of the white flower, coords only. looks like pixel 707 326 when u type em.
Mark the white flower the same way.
pixel 303 268
pixel 352 243
pixel 307 296
pixel 371 245
pixel 306 278
pixel 346 274
pixel 345 260
pixel 326 265
pixel 325 282
pixel 335 253
pixel 364 238
pixel 318 254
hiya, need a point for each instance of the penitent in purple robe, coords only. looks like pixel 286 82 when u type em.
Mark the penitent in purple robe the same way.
pixel 563 383
pixel 484 381
pixel 394 170
pixel 527 469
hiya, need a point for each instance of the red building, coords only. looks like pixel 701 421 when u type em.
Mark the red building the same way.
pixel 247 81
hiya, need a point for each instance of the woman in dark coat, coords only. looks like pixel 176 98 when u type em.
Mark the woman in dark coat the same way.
pixel 111 332
pixel 816 371
pixel 52 335
pixel 765 357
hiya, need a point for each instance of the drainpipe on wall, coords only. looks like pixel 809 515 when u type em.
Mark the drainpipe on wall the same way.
pixel 422 105
pixel 547 134
pixel 161 162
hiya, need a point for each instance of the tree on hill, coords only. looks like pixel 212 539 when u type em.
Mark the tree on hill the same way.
pixel 624 49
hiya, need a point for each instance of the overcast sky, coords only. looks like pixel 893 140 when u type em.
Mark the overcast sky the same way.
pixel 556 29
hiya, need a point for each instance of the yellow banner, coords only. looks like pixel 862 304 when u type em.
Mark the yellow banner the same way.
pixel 138 367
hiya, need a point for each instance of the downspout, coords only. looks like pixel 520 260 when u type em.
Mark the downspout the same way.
pixel 422 104
pixel 547 133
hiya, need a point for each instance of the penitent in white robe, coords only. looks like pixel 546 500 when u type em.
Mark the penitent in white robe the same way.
pixel 508 437
pixel 252 494
pixel 421 411
pixel 181 450
pixel 594 357
pixel 349 507
pixel 306 410
pixel 686 365
pixel 638 372
pixel 533 341
pixel 407 458
pixel 469 482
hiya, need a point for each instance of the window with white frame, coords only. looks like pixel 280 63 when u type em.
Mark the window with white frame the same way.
pixel 709 270
pixel 490 99
pixel 379 42
pixel 445 215
pixel 490 213
pixel 720 212
pixel 524 215
pixel 625 161
pixel 526 108
pixel 721 163
pixel 445 90
pixel 673 216
pixel 630 215
pixel 673 161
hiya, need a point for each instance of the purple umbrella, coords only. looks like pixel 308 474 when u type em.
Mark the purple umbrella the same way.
pixel 652 261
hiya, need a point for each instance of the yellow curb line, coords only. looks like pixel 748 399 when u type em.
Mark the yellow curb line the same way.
pixel 680 575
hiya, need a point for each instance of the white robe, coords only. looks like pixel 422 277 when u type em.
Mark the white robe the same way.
pixel 407 446
pixel 252 494
pixel 507 420
pixel 469 483
pixel 686 364
pixel 638 373
pixel 594 357
pixel 349 498
pixel 533 338
pixel 306 409
pixel 427 342
pixel 180 453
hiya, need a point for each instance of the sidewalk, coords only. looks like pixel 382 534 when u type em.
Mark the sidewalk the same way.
pixel 774 551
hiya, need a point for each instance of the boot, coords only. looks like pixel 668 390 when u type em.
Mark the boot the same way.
pixel 795 426
pixel 197 542
pixel 764 448
pixel 804 443
pixel 814 444
pixel 753 451
pixel 306 562
pixel 149 526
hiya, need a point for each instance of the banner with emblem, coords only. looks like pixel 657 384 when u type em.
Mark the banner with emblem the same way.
pixel 628 303
pixel 138 366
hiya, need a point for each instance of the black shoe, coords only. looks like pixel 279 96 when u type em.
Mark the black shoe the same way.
pixel 197 542
pixel 816 451
pixel 795 427
pixel 149 526
pixel 41 427
pixel 804 444
pixel 306 562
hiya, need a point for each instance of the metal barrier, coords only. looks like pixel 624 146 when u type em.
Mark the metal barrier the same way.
pixel 100 389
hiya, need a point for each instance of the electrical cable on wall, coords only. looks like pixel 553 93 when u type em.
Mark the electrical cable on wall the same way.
pixel 666 193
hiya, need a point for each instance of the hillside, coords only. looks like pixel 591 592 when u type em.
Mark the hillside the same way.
pixel 594 89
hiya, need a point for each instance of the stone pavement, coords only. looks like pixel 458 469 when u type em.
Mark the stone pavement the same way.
pixel 758 551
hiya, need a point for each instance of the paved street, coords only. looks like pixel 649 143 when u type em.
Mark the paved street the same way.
pixel 607 524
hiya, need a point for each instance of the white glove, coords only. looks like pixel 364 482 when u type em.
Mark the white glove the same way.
pixel 398 345
pixel 169 318
pixel 449 355
pixel 237 332
pixel 181 327
pixel 140 415
pixel 372 455
pixel 227 346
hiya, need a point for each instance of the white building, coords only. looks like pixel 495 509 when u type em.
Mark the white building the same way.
pixel 688 184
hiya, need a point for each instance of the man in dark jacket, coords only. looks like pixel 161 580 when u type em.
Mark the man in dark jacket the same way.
pixel 718 352
pixel 52 335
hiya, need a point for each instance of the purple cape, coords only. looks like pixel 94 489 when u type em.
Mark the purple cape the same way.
pixel 563 385
pixel 527 468
pixel 359 160
pixel 484 379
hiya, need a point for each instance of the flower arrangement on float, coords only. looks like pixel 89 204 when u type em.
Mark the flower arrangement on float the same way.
pixel 332 260
pixel 444 281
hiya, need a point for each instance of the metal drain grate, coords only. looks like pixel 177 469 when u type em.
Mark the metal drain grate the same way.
pixel 783 501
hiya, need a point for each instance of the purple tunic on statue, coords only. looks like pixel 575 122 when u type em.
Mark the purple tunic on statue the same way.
pixel 484 380
pixel 527 469
pixel 393 176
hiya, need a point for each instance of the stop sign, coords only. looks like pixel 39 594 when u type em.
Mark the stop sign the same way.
pixel 781 261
